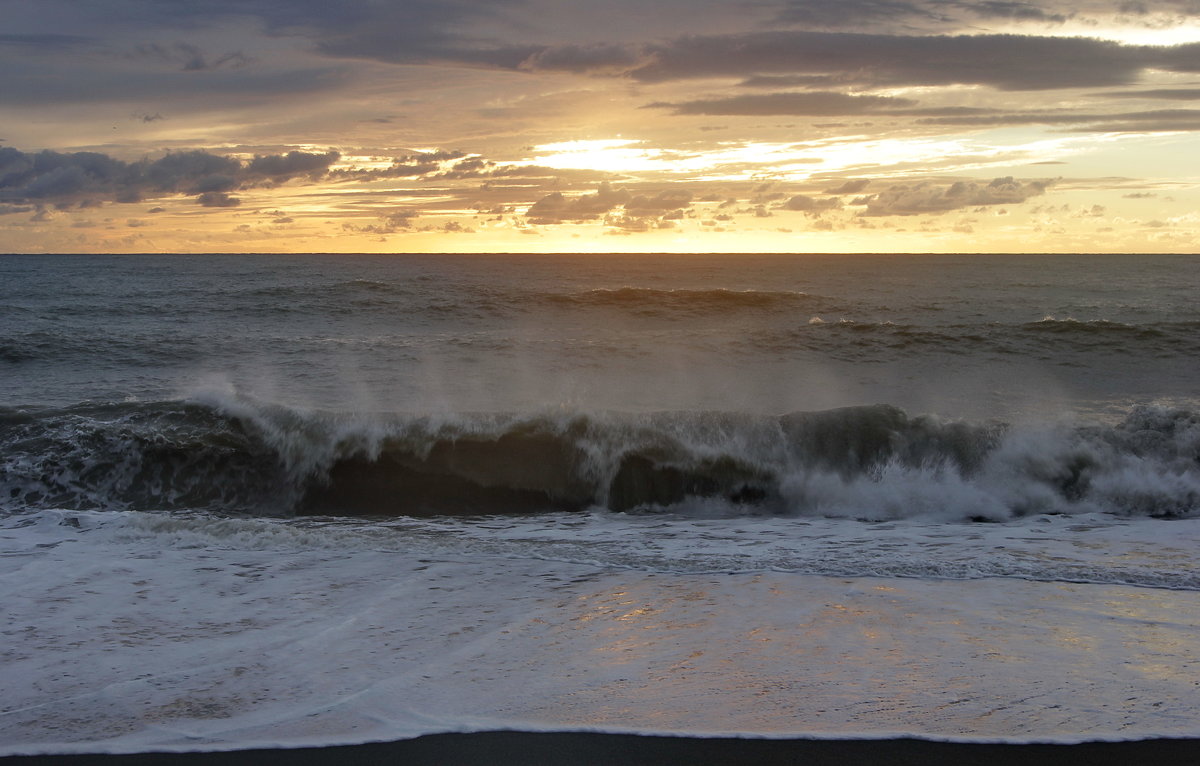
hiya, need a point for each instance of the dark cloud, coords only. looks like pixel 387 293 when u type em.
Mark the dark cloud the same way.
pixel 497 34
pixel 919 13
pixel 217 199
pixel 79 177
pixel 45 41
pixel 1017 118
pixel 663 202
pixel 557 208
pixel 616 208
pixel 27 85
pixel 406 166
pixel 1176 94
pixel 436 31
pixel 815 104
pixel 1148 121
pixel 291 164
pixel 939 197
pixel 1010 62
pixel 811 205
pixel 404 19
pixel 852 13
pixel 392 223
pixel 190 58
pixel 216 183
pixel 180 170
pixel 1165 124
pixel 399 31
pixel 478 167
pixel 997 9
pixel 853 186
pixel 583 58
pixel 787 81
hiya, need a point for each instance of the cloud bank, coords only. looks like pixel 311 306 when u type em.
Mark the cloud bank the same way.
pixel 89 177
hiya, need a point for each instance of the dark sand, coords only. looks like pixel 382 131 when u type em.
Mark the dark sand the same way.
pixel 569 748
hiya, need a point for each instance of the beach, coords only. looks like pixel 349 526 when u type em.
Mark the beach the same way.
pixel 575 749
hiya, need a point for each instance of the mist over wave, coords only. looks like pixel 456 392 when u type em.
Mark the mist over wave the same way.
pixel 872 462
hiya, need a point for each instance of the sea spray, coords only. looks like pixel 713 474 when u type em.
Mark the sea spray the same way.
pixel 233 454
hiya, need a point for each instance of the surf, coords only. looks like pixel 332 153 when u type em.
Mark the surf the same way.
pixel 868 462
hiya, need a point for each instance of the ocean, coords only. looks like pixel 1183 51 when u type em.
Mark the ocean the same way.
pixel 285 500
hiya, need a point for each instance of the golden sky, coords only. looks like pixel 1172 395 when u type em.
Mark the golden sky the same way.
pixel 623 126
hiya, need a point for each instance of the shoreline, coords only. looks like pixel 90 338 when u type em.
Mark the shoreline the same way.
pixel 575 748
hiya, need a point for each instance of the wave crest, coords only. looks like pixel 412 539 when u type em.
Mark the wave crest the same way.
pixel 872 462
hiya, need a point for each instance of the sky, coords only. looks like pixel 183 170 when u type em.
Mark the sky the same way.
pixel 622 126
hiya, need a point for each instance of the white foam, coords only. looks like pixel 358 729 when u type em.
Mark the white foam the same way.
pixel 129 632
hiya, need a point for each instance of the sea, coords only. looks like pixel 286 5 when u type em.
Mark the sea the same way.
pixel 286 500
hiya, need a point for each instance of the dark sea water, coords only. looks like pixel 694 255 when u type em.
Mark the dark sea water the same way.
pixel 459 445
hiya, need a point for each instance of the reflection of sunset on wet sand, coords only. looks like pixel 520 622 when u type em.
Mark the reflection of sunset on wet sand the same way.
pixel 772 654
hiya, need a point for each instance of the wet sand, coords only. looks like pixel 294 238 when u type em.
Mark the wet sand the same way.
pixel 572 749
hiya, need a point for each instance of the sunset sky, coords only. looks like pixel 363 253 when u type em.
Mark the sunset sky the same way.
pixel 624 125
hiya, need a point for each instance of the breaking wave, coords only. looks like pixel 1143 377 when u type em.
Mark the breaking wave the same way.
pixel 872 462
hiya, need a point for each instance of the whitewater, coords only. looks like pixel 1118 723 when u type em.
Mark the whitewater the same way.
pixel 256 500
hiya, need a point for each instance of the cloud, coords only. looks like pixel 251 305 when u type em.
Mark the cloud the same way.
pixel 291 164
pixel 1008 62
pixel 663 202
pixel 557 208
pixel 26 84
pixel 998 9
pixel 817 104
pixel 214 183
pixel 847 13
pixel 45 41
pixel 487 33
pixel 1167 123
pixel 953 14
pixel 852 186
pixel 787 81
pixel 78 177
pixel 1176 94
pixel 405 166
pixel 217 199
pixel 939 197
pixel 1148 121
pixel 477 167
pixel 189 58
pixel 617 208
pixel 810 205
pixel 398 31
pixel 583 58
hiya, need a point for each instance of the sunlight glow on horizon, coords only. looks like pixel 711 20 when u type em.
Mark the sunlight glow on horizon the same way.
pixel 777 123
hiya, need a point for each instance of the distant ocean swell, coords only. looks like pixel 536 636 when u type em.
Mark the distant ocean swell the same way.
pixel 1049 339
pixel 418 297
pixel 875 462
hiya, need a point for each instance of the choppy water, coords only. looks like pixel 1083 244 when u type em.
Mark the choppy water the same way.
pixel 972 336
pixel 915 418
